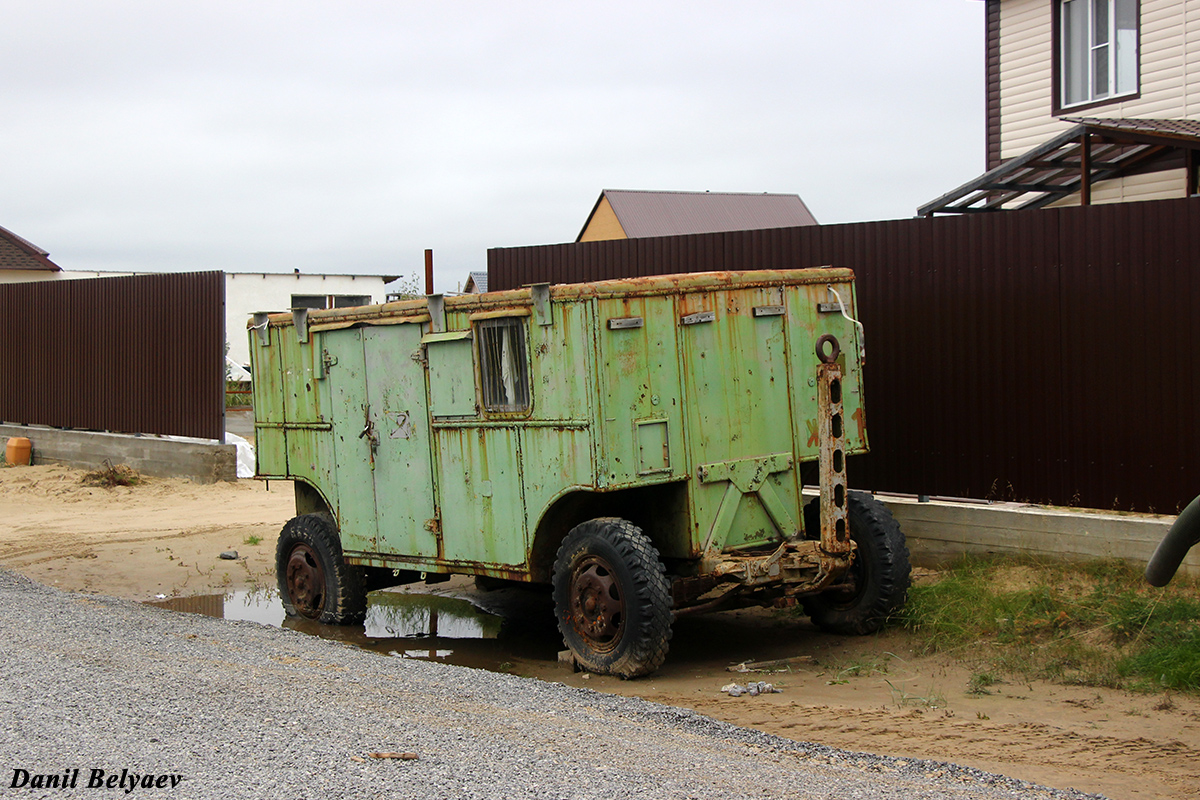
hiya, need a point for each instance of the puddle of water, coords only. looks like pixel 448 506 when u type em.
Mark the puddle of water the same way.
pixel 405 624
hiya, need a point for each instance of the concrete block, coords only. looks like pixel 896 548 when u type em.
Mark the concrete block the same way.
pixel 940 531
pixel 200 460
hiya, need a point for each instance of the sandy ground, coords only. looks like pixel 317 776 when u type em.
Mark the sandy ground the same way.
pixel 163 538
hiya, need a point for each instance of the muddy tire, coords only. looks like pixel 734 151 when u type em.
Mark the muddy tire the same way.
pixel 877 583
pixel 315 582
pixel 612 599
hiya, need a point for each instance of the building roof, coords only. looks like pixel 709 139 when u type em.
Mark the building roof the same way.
pixel 476 283
pixel 645 213
pixel 1091 150
pixel 18 253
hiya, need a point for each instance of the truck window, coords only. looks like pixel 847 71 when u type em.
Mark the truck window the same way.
pixel 504 364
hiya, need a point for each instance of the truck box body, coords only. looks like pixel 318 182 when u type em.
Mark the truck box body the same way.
pixel 467 434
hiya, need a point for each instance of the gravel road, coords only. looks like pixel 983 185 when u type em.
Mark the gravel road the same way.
pixel 237 710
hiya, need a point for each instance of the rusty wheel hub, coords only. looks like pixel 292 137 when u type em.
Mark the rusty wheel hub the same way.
pixel 306 581
pixel 597 607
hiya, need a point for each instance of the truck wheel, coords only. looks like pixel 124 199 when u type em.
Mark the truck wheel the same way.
pixel 877 582
pixel 314 580
pixel 612 599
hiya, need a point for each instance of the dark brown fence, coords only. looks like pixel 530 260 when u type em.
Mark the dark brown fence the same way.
pixel 143 354
pixel 1048 355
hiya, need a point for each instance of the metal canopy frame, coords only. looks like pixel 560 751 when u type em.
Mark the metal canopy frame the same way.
pixel 1091 151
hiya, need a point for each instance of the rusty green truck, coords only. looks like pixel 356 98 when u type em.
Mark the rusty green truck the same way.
pixel 637 444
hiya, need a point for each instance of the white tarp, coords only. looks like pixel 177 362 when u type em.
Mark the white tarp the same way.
pixel 236 371
pixel 245 455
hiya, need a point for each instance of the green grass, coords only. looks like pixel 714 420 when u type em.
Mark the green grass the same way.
pixel 981 682
pixel 1095 624
pixel 876 664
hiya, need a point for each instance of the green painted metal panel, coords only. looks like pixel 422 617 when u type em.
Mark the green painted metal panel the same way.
pixel 560 460
pixel 270 446
pixel 351 449
pixel 267 386
pixel 480 496
pixel 654 446
pixel 806 325
pixel 451 377
pixel 301 402
pixel 735 374
pixel 403 474
pixel 563 363
pixel 639 382
pixel 270 452
pixel 310 458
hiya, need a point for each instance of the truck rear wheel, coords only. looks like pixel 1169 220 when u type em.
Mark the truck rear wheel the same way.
pixel 314 580
pixel 877 582
pixel 612 599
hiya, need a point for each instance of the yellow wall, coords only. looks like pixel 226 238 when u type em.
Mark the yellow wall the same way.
pixel 1154 186
pixel 603 225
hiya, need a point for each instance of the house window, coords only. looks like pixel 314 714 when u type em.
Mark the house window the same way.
pixel 503 364
pixel 330 300
pixel 1098 50
pixel 308 301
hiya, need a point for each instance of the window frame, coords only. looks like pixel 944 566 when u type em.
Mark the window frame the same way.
pixel 1059 66
pixel 487 379
pixel 309 301
pixel 349 300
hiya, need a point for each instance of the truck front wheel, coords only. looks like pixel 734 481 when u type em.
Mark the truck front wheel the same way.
pixel 314 580
pixel 877 582
pixel 612 598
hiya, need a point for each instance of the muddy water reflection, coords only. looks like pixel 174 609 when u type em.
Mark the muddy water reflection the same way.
pixel 449 626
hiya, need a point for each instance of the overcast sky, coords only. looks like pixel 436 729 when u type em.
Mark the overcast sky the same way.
pixel 350 136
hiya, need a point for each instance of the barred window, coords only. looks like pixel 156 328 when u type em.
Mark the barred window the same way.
pixel 503 364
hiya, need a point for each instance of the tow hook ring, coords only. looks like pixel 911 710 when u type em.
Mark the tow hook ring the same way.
pixel 835 349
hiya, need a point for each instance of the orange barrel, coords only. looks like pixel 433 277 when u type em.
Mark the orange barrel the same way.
pixel 18 451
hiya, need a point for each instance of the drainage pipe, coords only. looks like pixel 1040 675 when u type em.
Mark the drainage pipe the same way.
pixel 1169 554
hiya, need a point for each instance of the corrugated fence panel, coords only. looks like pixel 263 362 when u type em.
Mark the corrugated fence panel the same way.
pixel 141 354
pixel 1047 356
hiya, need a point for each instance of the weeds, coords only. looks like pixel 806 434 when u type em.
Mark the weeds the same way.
pixel 111 475
pixel 875 664
pixel 252 540
pixel 981 683
pixel 902 699
pixel 1095 624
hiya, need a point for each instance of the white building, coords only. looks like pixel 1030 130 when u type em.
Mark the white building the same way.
pixel 248 292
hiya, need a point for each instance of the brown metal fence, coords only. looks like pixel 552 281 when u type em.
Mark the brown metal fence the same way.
pixel 142 354
pixel 1047 355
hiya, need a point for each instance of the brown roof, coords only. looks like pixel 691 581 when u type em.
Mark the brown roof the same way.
pixel 1167 127
pixel 17 253
pixel 645 213
pixel 1063 165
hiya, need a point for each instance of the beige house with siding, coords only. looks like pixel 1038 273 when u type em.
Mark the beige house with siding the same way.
pixel 1088 101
